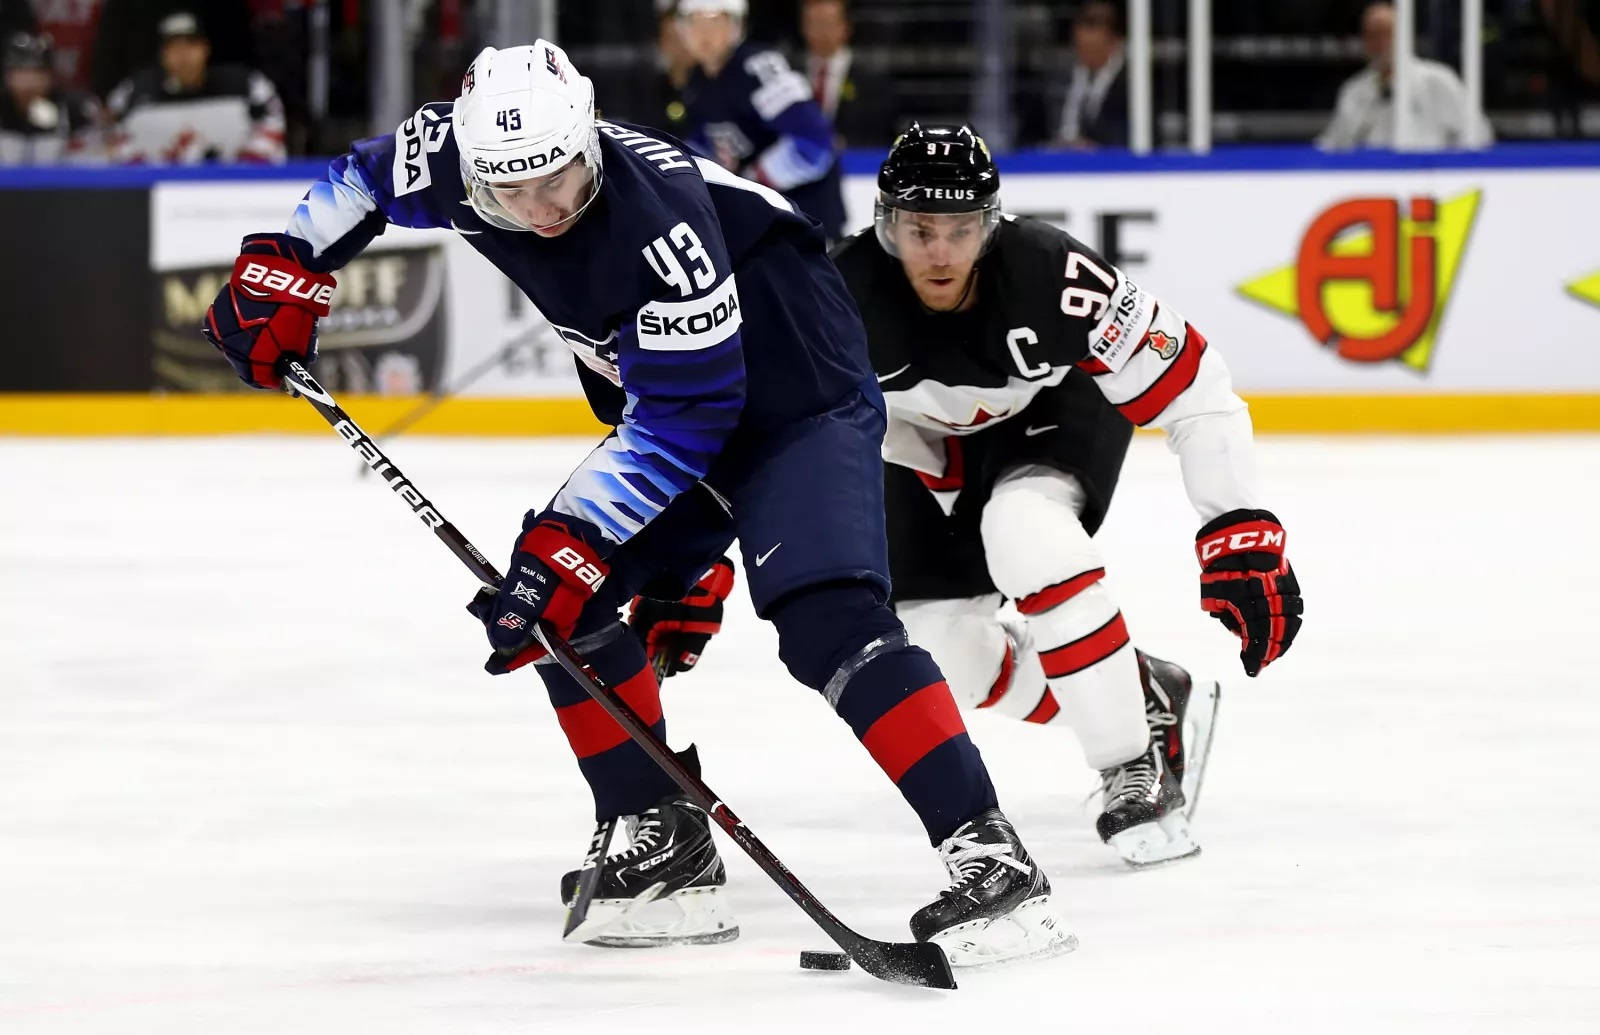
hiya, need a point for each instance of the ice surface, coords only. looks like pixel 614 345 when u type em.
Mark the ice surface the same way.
pixel 252 779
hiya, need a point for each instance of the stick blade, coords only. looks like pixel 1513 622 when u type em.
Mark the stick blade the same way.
pixel 904 963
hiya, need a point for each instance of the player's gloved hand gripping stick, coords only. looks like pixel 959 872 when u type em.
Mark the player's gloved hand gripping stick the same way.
pixel 910 963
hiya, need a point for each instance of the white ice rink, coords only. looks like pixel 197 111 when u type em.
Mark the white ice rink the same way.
pixel 252 779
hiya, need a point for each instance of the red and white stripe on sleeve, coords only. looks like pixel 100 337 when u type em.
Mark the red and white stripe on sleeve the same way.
pixel 1174 380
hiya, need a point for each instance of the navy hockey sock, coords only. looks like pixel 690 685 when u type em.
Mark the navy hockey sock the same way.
pixel 844 643
pixel 624 780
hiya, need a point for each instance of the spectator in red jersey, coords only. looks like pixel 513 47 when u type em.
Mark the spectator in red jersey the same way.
pixel 187 110
pixel 71 26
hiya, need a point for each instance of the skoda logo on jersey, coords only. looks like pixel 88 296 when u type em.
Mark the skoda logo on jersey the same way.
pixel 694 323
pixel 509 166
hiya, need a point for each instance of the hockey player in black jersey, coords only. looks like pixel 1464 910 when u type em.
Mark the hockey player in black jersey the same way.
pixel 1016 361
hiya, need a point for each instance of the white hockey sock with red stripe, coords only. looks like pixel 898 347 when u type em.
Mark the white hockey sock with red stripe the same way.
pixel 1040 556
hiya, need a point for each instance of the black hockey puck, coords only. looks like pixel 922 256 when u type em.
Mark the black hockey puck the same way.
pixel 824 960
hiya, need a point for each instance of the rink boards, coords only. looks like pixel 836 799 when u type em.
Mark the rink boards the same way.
pixel 1358 293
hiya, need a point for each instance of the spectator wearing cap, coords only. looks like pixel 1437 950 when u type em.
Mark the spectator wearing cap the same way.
pixel 1095 113
pixel 42 122
pixel 186 110
pixel 126 37
pixel 1364 114
pixel 861 104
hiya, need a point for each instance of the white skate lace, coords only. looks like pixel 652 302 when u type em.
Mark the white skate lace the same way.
pixel 644 831
pixel 965 858
pixel 1128 782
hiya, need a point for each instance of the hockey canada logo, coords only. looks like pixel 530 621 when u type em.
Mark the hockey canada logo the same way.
pixel 1163 344
pixel 1372 277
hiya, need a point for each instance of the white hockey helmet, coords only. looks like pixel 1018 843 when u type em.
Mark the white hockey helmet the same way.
pixel 733 8
pixel 524 112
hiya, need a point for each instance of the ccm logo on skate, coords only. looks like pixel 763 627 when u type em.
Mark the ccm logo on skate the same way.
pixel 573 561
pixel 282 280
pixel 1240 542
pixel 385 470
pixel 686 326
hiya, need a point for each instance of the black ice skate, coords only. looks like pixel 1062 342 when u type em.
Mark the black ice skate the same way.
pixel 1181 715
pixel 1143 817
pixel 997 907
pixel 666 888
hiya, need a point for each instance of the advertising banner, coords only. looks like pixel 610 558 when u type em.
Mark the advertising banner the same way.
pixel 1455 280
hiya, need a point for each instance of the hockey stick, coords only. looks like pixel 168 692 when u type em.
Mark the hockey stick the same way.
pixel 908 963
pixel 589 872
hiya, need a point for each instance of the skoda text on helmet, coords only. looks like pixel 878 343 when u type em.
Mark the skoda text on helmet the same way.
pixel 524 113
pixel 937 169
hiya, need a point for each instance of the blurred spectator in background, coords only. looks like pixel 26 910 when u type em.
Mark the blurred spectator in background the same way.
pixel 187 110
pixel 674 66
pixel 1364 114
pixel 126 40
pixel 754 115
pixel 1095 113
pixel 70 24
pixel 860 104
pixel 42 122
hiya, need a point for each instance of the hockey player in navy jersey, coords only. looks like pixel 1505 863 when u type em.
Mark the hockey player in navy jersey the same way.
pixel 656 267
pixel 755 115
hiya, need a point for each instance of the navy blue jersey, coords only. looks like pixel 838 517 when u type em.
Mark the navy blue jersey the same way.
pixel 643 289
pixel 758 114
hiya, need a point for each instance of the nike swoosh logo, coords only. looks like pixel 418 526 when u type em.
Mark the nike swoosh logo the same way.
pixel 897 373
pixel 761 558
pixel 1030 432
pixel 462 229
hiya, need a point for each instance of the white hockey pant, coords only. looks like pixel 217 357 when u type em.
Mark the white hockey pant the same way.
pixel 1073 663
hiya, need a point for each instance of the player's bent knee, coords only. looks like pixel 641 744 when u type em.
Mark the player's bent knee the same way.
pixel 825 628
pixel 966 640
pixel 1032 535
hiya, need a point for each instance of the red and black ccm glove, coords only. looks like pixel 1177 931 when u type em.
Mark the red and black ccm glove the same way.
pixel 269 308
pixel 557 565
pixel 681 629
pixel 1246 582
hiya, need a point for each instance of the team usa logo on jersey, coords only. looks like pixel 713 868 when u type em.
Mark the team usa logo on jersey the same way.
pixel 1372 276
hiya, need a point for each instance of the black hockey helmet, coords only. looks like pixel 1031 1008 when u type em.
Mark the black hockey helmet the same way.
pixel 944 169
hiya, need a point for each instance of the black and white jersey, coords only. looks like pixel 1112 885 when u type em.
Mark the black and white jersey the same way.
pixel 235 116
pixel 1046 304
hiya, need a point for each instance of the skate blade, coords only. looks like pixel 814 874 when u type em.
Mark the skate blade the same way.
pixel 1198 726
pixel 605 913
pixel 1151 844
pixel 692 916
pixel 1033 930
